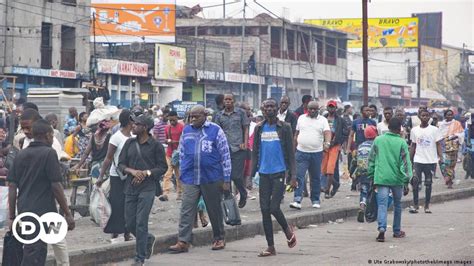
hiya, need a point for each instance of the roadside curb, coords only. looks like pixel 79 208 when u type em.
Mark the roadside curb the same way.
pixel 202 237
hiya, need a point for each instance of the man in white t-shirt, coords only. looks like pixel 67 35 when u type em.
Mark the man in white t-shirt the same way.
pixel 425 152
pixel 312 136
pixel 382 127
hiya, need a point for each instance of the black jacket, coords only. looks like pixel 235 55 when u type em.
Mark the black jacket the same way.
pixel 339 133
pixel 291 119
pixel 286 139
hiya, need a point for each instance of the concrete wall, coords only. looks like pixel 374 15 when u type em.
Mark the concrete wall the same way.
pixel 382 68
pixel 23 43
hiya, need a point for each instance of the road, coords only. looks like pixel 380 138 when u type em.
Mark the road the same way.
pixel 445 235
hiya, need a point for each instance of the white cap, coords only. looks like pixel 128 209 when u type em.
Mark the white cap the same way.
pixel 347 103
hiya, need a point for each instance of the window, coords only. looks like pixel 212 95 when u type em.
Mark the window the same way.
pixel 124 80
pixel 68 48
pixel 411 71
pixel 331 51
pixel 275 42
pixel 341 48
pixel 290 38
pixel 69 2
pixel 115 79
pixel 46 45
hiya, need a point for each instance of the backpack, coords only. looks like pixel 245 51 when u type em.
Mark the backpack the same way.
pixel 363 153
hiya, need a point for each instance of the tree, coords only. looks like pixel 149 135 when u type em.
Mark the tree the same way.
pixel 463 85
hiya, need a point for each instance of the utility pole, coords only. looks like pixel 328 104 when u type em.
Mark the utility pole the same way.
pixel 315 74
pixel 365 52
pixel 223 7
pixel 242 56
pixel 95 54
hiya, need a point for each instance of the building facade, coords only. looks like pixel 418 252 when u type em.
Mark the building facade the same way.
pixel 45 43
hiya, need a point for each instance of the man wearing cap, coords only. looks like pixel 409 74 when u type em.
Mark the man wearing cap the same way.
pixel 331 156
pixel 143 160
pixel 360 172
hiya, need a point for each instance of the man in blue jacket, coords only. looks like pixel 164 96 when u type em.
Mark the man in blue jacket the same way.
pixel 205 167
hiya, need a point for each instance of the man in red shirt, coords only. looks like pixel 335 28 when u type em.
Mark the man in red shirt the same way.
pixel 173 133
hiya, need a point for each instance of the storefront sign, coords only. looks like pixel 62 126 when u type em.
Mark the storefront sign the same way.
pixel 170 62
pixel 182 107
pixel 210 75
pixel 406 92
pixel 52 73
pixel 396 92
pixel 126 68
pixel 243 78
pixel 385 90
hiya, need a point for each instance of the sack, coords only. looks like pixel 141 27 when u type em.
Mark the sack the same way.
pixel 175 158
pixel 371 208
pixel 99 207
pixel 12 250
pixel 70 146
pixel 3 206
pixel 231 212
pixel 11 157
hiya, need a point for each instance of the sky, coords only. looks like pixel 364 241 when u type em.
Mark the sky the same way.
pixel 458 15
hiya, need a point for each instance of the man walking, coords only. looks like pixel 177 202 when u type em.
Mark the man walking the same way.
pixel 312 136
pixel 425 152
pixel 37 176
pixel 331 156
pixel 143 160
pixel 390 169
pixel 205 170
pixel 382 127
pixel 357 130
pixel 173 134
pixel 235 123
pixel 285 115
pixel 273 157
pixel 303 109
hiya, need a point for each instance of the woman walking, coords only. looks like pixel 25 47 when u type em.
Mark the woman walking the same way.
pixel 453 138
pixel 116 223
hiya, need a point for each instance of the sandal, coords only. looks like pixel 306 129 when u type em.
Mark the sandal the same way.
pixel 266 253
pixel 292 241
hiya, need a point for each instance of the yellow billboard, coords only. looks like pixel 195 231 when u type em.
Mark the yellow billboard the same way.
pixel 382 32
pixel 170 62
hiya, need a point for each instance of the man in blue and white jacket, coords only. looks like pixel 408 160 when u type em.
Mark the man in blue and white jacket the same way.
pixel 205 168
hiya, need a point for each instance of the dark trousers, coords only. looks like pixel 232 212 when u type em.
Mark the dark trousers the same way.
pixel 137 213
pixel 116 223
pixel 35 254
pixel 427 170
pixel 237 175
pixel 212 195
pixel 271 193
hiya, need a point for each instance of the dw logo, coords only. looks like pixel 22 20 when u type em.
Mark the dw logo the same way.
pixel 51 228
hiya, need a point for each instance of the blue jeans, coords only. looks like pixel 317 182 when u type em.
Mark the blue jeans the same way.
pixel 137 212
pixel 382 202
pixel 364 190
pixel 308 161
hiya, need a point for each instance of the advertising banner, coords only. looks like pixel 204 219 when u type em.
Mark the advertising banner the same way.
pixel 182 107
pixel 433 67
pixel 382 32
pixel 126 21
pixel 118 67
pixel 385 90
pixel 170 62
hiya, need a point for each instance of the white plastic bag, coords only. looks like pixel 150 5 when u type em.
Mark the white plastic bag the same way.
pixel 3 206
pixel 102 112
pixel 99 207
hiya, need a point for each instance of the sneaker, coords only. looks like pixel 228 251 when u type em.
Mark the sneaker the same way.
pixel 242 202
pixel 163 198
pixel 413 210
pixel 150 245
pixel 381 237
pixel 316 205
pixel 360 216
pixel 295 205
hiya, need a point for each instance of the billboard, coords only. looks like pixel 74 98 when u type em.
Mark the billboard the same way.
pixel 126 21
pixel 170 62
pixel 433 67
pixel 382 32
pixel 118 67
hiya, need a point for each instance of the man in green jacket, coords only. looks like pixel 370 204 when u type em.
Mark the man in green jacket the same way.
pixel 390 168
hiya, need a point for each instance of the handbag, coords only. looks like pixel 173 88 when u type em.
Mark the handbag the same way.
pixel 371 209
pixel 158 190
pixel 230 210
pixel 119 172
pixel 12 250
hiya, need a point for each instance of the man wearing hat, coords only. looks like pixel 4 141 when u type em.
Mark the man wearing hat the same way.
pixel 331 156
pixel 143 160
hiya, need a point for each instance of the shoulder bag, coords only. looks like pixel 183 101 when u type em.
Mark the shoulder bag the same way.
pixel 159 190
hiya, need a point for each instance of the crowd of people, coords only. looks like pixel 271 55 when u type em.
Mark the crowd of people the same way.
pixel 205 155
